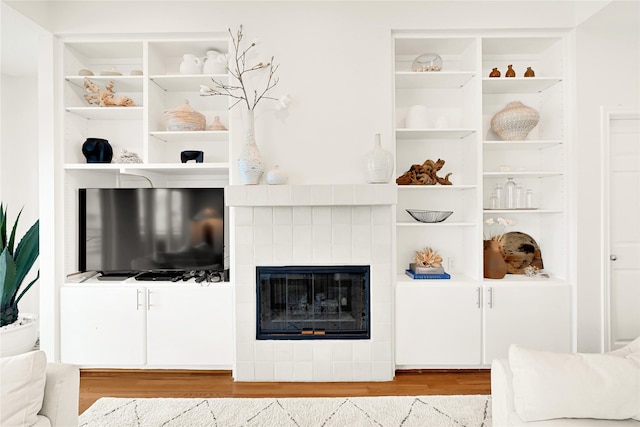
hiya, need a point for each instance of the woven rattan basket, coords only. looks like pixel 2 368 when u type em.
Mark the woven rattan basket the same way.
pixel 184 118
pixel 515 121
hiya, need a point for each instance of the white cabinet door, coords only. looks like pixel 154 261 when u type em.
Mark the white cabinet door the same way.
pixel 189 326
pixel 537 316
pixel 437 325
pixel 102 326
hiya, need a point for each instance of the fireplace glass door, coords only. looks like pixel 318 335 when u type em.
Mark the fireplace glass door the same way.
pixel 313 302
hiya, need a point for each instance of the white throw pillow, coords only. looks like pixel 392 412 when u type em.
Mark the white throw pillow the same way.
pixel 557 385
pixel 22 380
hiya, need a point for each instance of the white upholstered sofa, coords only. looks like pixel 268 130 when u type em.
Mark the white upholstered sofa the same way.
pixel 36 393
pixel 533 388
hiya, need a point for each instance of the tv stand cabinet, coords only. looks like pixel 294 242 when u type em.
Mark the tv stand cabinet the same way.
pixel 152 325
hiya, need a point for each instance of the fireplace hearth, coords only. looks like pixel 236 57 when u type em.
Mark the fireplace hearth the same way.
pixel 313 302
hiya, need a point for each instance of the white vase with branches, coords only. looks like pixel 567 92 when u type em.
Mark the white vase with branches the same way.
pixel 248 89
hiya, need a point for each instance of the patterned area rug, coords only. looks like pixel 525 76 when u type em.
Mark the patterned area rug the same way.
pixel 386 411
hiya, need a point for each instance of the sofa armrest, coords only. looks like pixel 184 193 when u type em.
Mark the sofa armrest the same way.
pixel 61 394
pixel 501 393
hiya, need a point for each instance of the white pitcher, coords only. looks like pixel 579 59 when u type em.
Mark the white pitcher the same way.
pixel 214 63
pixel 190 64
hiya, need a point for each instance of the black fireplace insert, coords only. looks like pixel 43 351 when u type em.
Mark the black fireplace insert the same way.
pixel 313 302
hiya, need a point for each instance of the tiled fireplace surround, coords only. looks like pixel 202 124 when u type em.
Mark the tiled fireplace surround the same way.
pixel 312 225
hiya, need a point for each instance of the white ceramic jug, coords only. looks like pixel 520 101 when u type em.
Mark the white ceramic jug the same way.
pixel 190 64
pixel 214 63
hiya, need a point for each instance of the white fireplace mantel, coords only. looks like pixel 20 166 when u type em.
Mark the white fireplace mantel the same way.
pixel 311 195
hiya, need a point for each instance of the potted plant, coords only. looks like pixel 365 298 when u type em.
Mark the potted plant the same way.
pixel 17 333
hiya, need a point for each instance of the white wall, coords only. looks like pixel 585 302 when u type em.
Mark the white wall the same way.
pixel 607 74
pixel 336 63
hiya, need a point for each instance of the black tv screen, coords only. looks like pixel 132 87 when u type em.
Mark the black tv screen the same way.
pixel 151 229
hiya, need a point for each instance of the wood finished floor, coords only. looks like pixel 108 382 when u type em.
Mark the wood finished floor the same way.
pixel 97 383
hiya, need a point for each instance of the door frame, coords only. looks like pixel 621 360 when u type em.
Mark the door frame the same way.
pixel 607 115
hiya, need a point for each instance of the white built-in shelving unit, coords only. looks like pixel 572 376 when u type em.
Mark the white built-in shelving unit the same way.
pixel 467 321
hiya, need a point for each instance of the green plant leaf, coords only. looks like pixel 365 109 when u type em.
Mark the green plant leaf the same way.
pixel 8 284
pixel 27 252
pixel 12 239
pixel 28 287
pixel 3 226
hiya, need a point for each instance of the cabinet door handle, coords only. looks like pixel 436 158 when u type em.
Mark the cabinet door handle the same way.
pixel 490 297
pixel 479 297
pixel 138 305
pixel 148 299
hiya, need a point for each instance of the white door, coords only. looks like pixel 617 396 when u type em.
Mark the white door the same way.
pixel 536 316
pixel 102 326
pixel 622 227
pixel 437 325
pixel 190 326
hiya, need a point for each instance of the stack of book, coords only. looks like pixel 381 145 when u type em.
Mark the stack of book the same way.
pixel 425 273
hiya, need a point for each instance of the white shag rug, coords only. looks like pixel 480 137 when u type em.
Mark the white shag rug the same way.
pixel 386 411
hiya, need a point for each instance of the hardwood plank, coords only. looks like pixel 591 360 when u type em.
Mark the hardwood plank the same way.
pixel 97 383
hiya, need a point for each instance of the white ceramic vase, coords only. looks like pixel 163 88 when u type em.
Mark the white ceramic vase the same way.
pixel 379 163
pixel 250 164
pixel 515 121
pixel 276 176
pixel 19 337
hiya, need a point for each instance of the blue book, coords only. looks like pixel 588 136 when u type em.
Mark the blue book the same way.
pixel 418 276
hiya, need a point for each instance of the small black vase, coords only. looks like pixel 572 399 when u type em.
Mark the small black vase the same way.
pixel 97 150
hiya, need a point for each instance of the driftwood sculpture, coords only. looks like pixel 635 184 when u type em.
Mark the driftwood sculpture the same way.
pixel 106 97
pixel 424 174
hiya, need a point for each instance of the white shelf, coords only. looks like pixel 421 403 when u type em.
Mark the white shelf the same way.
pixel 432 79
pixel 436 187
pixel 122 83
pixel 518 84
pixel 434 224
pixel 200 136
pixel 186 82
pixel 520 279
pixel 519 145
pixel 487 211
pixel 526 174
pixel 107 113
pixel 164 168
pixel 433 134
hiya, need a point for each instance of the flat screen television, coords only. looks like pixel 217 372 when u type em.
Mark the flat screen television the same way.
pixel 151 229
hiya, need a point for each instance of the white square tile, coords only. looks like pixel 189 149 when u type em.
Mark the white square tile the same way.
pixel 381 215
pixel 386 194
pixel 245 332
pixel 245 352
pixel 382 352
pixel 322 351
pixel 283 351
pixel 381 235
pixel 323 371
pixel 341 254
pixel 244 274
pixel 343 194
pixel 361 215
pixel 243 215
pixel 279 195
pixel 303 371
pixel 362 351
pixel 361 235
pixel 235 195
pixel 244 372
pixel 322 253
pixel 302 235
pixel 264 371
pixel 381 254
pixel 303 351
pixel 362 371
pixel 342 351
pixel 302 215
pixel 244 254
pixel 341 215
pixel 321 215
pixel 245 313
pixel 258 195
pixel 321 234
pixel 381 332
pixel 282 254
pixel 283 215
pixel 283 371
pixel 365 194
pixel 263 235
pixel 245 295
pixel 263 350
pixel 283 235
pixel 263 255
pixel 381 312
pixel 263 215
pixel 244 235
pixel 342 371
pixel 321 195
pixel 383 371
pixel 300 195
pixel 302 254
pixel 341 234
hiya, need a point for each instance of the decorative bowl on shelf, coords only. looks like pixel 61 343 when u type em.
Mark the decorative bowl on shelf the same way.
pixel 427 62
pixel 184 118
pixel 429 216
